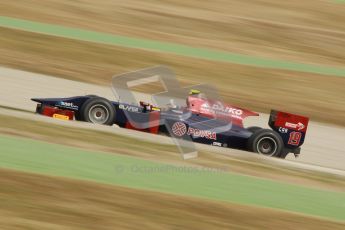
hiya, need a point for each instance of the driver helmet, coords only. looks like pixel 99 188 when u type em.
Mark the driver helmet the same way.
pixel 197 93
pixel 194 92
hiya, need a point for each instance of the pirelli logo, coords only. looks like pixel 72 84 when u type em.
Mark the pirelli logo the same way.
pixel 60 116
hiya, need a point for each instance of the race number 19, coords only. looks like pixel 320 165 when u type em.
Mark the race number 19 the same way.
pixel 295 138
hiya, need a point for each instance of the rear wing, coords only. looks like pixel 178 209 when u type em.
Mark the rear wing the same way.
pixel 291 127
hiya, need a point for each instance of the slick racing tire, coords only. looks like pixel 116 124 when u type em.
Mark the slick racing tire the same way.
pixel 78 116
pixel 266 142
pixel 97 110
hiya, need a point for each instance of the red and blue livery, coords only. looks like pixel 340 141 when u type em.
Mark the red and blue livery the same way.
pixel 201 120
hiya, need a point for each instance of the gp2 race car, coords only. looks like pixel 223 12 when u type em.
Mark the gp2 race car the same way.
pixel 201 120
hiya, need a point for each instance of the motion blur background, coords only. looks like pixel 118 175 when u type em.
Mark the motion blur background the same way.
pixel 260 54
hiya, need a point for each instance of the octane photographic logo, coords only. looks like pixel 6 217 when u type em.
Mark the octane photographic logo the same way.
pixel 172 99
pixel 167 169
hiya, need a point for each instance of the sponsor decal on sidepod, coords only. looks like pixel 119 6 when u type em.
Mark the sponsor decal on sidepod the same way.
pixel 180 129
pixel 219 108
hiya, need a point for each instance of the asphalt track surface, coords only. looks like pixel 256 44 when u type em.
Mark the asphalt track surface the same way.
pixel 323 149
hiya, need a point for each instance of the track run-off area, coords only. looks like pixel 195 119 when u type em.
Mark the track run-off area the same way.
pixel 157 46
pixel 58 160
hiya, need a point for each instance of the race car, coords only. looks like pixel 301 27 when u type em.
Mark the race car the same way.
pixel 201 120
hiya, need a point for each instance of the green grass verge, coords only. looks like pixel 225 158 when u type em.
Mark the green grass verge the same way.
pixel 172 48
pixel 40 157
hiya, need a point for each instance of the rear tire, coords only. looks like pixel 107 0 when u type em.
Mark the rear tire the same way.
pixel 266 142
pixel 78 115
pixel 97 110
pixel 254 129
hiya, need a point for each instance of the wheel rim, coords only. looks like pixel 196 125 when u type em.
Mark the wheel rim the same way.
pixel 98 114
pixel 267 146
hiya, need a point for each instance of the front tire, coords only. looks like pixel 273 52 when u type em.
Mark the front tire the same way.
pixel 266 142
pixel 97 110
